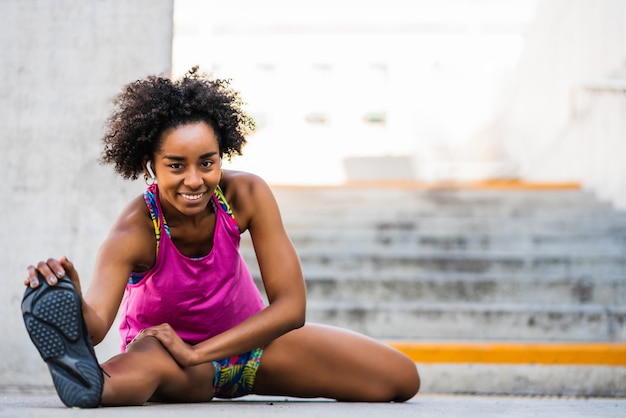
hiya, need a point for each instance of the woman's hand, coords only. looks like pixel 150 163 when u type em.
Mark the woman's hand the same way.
pixel 182 352
pixel 52 270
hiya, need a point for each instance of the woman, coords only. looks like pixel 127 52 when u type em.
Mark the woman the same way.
pixel 193 324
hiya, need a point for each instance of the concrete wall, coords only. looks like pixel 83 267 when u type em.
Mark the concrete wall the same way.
pixel 62 61
pixel 601 113
pixel 563 119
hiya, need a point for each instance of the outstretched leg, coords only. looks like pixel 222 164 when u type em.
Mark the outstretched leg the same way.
pixel 53 319
pixel 147 372
pixel 322 361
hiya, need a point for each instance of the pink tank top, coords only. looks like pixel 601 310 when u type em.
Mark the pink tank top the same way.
pixel 198 297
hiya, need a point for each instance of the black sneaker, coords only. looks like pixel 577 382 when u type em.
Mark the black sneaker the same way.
pixel 54 320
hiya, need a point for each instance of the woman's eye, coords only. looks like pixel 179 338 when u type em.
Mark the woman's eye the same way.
pixel 207 163
pixel 175 166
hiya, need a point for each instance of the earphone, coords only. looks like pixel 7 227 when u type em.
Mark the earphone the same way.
pixel 149 167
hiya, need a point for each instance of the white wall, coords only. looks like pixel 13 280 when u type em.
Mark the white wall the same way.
pixel 599 129
pixel 553 125
pixel 471 89
pixel 434 68
pixel 62 61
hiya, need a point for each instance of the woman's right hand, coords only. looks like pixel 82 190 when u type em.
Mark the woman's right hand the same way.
pixel 52 270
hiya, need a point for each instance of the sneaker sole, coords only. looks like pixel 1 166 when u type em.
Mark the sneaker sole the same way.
pixel 54 321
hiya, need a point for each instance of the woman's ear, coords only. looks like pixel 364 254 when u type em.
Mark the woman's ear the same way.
pixel 149 168
pixel 149 179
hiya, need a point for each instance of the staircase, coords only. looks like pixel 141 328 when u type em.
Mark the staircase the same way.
pixel 446 265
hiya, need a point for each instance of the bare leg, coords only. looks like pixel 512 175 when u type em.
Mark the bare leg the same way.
pixel 321 361
pixel 148 372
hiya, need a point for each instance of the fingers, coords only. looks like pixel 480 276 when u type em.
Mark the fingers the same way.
pixel 68 267
pixel 163 329
pixel 32 280
pixel 161 332
pixel 51 271
pixel 146 332
pixel 71 272
pixel 137 337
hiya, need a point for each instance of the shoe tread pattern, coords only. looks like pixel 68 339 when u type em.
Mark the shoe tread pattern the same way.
pixel 47 341
pixel 60 311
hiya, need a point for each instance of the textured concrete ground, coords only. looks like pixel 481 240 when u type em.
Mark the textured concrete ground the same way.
pixel 48 405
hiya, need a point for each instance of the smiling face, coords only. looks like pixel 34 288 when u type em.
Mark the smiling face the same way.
pixel 188 169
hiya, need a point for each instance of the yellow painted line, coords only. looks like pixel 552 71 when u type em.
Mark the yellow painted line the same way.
pixel 410 184
pixel 519 184
pixel 604 354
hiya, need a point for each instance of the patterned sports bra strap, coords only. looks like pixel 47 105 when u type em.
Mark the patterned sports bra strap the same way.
pixel 149 197
pixel 221 199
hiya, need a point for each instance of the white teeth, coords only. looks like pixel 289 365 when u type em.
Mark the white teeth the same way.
pixel 192 196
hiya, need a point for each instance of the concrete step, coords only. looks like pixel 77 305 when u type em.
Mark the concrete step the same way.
pixel 518 265
pixel 395 263
pixel 521 368
pixel 370 240
pixel 502 205
pixel 401 261
pixel 483 203
pixel 393 222
pixel 475 321
pixel 466 288
pixel 529 381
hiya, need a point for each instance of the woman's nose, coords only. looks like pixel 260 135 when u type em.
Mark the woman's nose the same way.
pixel 193 178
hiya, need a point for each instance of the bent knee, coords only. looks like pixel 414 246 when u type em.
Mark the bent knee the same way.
pixel 409 384
pixel 405 381
pixel 151 350
pixel 147 343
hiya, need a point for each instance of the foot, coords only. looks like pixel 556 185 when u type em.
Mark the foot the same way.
pixel 54 320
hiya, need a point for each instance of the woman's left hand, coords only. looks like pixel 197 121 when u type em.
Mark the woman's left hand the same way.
pixel 182 352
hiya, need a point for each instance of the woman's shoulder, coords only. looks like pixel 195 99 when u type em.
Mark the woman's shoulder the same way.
pixel 133 224
pixel 245 193
pixel 241 184
pixel 134 216
pixel 133 232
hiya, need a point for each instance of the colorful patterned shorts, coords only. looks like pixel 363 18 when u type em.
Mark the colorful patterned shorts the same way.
pixel 234 376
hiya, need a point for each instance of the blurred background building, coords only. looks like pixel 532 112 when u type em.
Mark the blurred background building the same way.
pixel 452 90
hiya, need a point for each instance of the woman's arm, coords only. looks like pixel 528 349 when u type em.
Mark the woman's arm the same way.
pixel 256 210
pixel 279 264
pixel 129 244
